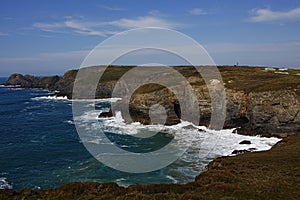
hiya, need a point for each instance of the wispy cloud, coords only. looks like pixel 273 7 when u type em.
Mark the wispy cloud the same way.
pixel 157 13
pixel 147 21
pixel 267 15
pixel 105 28
pixel 3 34
pixel 197 11
pixel 49 27
pixel 8 18
pixel 51 62
pixel 80 54
pixel 111 8
pixel 80 27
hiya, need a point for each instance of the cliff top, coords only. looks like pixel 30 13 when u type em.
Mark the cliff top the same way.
pixel 248 79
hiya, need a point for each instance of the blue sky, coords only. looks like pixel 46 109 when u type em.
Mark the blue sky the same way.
pixel 49 37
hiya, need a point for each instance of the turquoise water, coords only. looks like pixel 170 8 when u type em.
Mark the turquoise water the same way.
pixel 40 148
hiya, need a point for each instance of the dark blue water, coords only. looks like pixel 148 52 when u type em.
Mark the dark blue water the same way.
pixel 40 148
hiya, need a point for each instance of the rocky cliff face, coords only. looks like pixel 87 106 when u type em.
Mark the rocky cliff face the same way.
pixel 257 102
pixel 272 112
pixel 263 113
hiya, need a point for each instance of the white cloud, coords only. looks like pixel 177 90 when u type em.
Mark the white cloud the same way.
pixel 197 11
pixel 84 28
pixel 147 21
pixel 157 13
pixel 3 34
pixel 48 27
pixel 267 15
pixel 103 29
pixel 112 8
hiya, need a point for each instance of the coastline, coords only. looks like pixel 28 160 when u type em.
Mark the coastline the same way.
pixel 258 100
pixel 219 180
pixel 271 174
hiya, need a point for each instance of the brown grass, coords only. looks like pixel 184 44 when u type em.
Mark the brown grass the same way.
pixel 273 174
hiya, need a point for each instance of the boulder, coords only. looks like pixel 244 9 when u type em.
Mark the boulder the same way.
pixel 245 142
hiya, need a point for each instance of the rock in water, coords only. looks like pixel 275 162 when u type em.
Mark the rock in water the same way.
pixel 239 151
pixel 245 142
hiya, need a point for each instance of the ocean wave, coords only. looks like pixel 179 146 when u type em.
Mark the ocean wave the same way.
pixel 227 140
pixel 4 184
pixel 50 98
pixel 204 145
pixel 172 179
pixel 70 122
pixel 112 100
pixel 10 86
pixel 54 97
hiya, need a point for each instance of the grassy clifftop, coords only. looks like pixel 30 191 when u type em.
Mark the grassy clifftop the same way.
pixel 248 79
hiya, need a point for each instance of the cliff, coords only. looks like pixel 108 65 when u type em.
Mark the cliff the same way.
pixel 258 101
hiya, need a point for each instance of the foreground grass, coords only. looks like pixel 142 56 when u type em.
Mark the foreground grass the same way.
pixel 273 174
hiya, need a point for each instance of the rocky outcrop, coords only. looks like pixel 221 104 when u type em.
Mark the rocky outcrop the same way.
pixel 62 84
pixel 272 112
pixel 28 81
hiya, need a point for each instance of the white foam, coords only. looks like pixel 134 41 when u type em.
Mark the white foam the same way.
pixel 226 140
pixel 70 122
pixel 112 100
pixel 172 179
pixel 204 144
pixel 17 88
pixel 54 97
pixel 10 86
pixel 50 98
pixel 4 184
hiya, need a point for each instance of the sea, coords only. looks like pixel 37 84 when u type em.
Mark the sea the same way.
pixel 40 147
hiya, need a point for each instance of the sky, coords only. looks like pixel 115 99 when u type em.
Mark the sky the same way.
pixel 42 37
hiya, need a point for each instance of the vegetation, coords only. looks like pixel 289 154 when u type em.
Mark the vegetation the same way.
pixel 248 79
pixel 272 174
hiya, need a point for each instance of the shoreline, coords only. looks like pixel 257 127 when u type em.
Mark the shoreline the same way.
pixel 223 177
pixel 261 102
